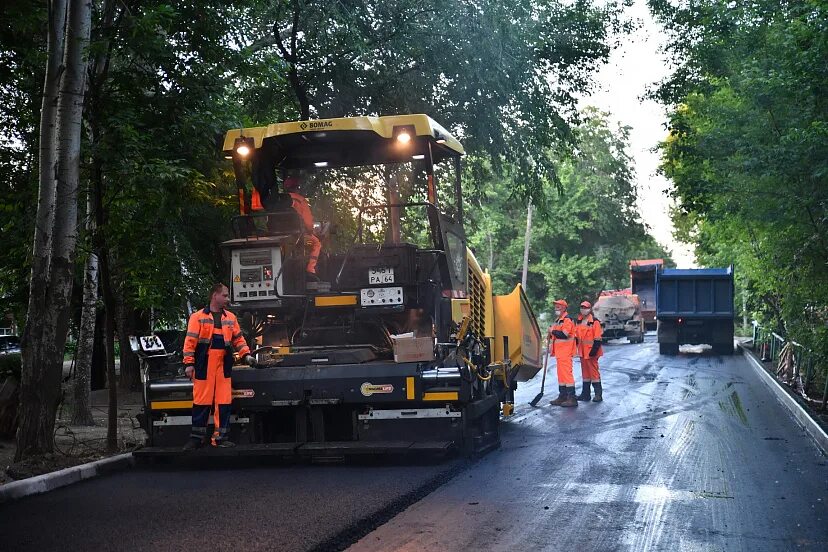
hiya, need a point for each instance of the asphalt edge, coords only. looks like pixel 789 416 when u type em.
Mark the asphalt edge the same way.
pixel 799 413
pixel 360 528
pixel 61 478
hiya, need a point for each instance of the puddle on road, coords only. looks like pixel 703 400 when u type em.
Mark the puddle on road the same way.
pixel 582 493
pixel 642 494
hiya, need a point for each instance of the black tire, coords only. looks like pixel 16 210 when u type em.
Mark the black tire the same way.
pixel 668 348
pixel 723 348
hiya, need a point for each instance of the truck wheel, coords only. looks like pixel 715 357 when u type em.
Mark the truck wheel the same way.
pixel 723 348
pixel 668 348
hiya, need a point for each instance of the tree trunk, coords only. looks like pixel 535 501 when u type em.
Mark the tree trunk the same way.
pixel 99 353
pixel 69 129
pixel 527 238
pixel 109 346
pixel 86 341
pixel 40 372
pixel 130 369
pixel 82 412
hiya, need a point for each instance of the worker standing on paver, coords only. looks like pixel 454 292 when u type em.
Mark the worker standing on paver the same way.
pixel 300 205
pixel 589 333
pixel 213 334
pixel 562 336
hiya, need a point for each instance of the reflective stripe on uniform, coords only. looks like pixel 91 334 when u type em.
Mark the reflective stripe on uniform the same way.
pixel 192 334
pixel 206 321
pixel 189 355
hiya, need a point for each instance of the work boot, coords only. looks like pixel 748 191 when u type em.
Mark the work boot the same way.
pixel 561 397
pixel 570 399
pixel 192 444
pixel 223 443
pixel 598 391
pixel 311 277
pixel 584 396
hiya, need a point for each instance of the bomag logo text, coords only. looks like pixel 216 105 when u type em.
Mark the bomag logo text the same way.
pixel 319 125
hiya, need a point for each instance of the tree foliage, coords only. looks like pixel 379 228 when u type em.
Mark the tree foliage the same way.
pixel 593 229
pixel 748 149
pixel 504 76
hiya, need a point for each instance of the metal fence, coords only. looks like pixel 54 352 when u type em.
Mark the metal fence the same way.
pixel 794 365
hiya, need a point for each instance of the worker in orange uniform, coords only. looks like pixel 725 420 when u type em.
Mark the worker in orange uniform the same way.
pixel 589 333
pixel 562 337
pixel 213 334
pixel 300 205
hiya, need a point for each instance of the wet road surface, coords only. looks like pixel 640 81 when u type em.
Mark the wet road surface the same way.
pixel 685 453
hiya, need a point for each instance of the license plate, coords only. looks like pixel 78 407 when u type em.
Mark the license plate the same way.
pixel 380 276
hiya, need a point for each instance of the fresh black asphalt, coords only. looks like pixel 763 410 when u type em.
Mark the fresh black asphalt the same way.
pixel 686 453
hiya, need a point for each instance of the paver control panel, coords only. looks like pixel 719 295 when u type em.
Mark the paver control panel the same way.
pixel 257 274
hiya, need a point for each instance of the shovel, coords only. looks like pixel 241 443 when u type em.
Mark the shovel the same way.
pixel 537 399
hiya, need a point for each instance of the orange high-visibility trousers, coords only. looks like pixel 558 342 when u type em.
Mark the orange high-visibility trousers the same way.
pixel 589 369
pixel 564 366
pixel 213 391
pixel 315 250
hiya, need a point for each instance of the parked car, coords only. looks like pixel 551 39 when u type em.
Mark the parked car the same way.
pixel 9 345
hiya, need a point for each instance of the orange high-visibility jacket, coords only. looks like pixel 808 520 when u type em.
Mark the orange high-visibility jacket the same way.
pixel 563 347
pixel 588 331
pixel 300 205
pixel 200 335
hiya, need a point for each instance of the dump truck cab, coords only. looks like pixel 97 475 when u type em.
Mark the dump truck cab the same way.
pixel 399 344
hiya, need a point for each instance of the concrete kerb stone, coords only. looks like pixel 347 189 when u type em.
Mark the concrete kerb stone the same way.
pixel 800 414
pixel 61 478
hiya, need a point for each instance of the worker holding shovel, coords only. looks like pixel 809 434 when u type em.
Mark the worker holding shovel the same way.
pixel 562 336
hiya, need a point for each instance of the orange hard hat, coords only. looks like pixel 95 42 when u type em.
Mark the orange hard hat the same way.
pixel 586 304
pixel 562 303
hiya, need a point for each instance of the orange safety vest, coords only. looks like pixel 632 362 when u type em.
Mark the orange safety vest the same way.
pixel 200 334
pixel 563 347
pixel 588 331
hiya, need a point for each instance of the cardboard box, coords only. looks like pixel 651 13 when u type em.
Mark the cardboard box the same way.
pixel 413 349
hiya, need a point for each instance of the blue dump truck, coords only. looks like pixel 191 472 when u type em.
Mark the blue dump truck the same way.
pixel 695 306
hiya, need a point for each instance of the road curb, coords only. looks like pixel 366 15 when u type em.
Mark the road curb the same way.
pixel 802 417
pixel 54 480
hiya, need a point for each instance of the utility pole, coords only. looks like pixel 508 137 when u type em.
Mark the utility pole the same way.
pixel 744 308
pixel 526 240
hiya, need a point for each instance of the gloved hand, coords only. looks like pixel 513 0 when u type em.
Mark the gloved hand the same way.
pixel 189 371
pixel 594 351
pixel 559 334
pixel 250 360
